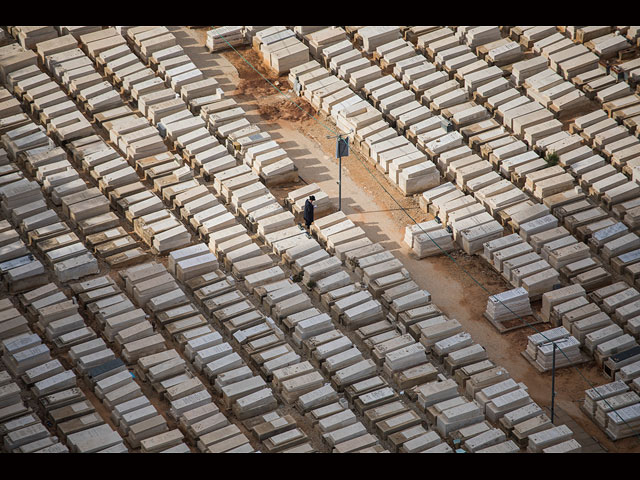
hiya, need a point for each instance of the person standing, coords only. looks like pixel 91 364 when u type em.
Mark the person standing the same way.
pixel 308 211
pixel 297 88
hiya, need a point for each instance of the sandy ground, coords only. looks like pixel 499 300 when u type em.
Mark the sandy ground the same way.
pixel 365 202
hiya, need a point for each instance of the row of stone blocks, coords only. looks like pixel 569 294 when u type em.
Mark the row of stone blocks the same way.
pixel 60 399
pixel 26 206
pixel 332 94
pixel 287 289
pixel 52 163
pixel 60 314
pixel 212 308
pixel 386 341
pixel 163 368
pixel 614 406
pixel 280 49
pixel 134 333
pixel 32 372
pixel 604 322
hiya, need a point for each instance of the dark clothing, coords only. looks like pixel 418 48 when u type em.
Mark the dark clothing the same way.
pixel 308 213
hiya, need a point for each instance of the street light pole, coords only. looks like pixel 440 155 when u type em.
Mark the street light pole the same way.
pixel 342 150
pixel 553 381
pixel 339 182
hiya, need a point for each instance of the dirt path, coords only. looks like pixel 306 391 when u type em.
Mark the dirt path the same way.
pixel 364 201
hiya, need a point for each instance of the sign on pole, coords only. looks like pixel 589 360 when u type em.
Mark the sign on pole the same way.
pixel 342 147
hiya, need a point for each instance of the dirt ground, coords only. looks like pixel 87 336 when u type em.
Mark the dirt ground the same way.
pixel 365 202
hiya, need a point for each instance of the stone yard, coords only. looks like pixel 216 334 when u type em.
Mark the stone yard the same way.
pixel 159 291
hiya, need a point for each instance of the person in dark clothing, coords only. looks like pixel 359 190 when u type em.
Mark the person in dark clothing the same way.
pixel 308 211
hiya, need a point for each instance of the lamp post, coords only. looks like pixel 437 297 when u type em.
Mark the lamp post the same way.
pixel 553 381
pixel 342 150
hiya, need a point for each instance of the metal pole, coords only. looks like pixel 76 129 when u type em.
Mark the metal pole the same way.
pixel 340 184
pixel 339 153
pixel 339 177
pixel 553 382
